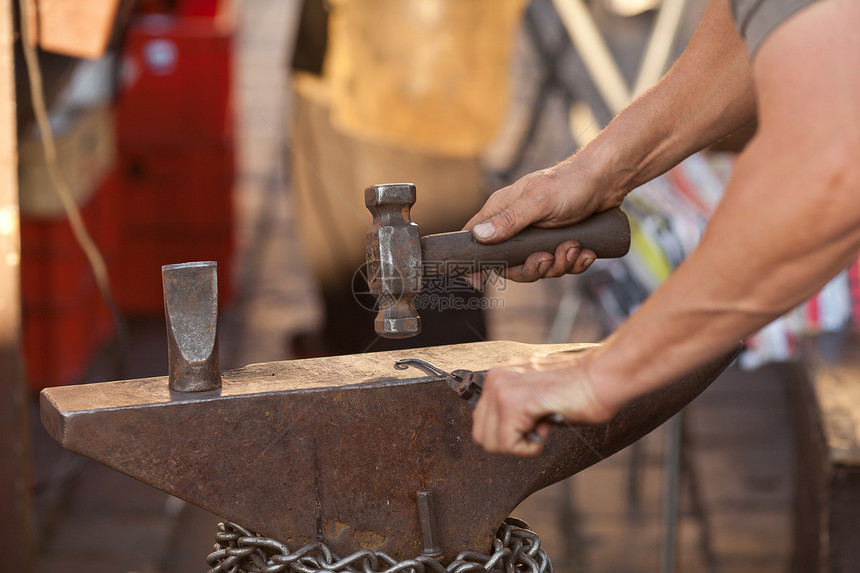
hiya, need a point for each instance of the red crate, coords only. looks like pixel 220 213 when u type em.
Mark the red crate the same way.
pixel 175 81
pixel 136 275
pixel 166 189
pixel 54 269
pixel 65 321
pixel 61 342
pixel 177 206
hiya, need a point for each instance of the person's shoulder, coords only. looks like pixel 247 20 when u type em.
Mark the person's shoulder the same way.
pixel 756 19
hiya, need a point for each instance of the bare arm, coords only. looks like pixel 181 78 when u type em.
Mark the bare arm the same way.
pixel 790 220
pixel 706 95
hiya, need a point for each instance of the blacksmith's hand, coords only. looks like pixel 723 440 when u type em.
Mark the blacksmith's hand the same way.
pixel 553 197
pixel 516 396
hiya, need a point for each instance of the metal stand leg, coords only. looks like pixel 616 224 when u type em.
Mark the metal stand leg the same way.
pixel 671 483
pixel 675 464
pixel 633 482
pixel 688 471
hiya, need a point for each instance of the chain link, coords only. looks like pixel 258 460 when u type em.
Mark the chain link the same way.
pixel 515 550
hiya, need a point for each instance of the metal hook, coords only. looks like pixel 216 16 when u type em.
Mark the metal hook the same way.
pixel 423 365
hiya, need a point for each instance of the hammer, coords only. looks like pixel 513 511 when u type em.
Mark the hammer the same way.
pixel 398 258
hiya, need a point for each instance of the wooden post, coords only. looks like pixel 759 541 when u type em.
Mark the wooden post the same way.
pixel 827 476
pixel 16 523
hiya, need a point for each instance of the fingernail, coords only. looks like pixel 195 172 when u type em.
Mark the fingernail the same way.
pixel 587 263
pixel 571 254
pixel 484 230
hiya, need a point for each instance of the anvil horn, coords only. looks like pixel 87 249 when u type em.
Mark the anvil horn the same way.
pixel 336 449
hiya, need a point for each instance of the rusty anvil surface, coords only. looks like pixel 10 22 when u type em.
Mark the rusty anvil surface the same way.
pixel 336 448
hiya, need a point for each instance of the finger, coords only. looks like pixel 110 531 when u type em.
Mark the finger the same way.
pixel 475 280
pixel 531 270
pixel 584 260
pixel 519 365
pixel 525 447
pixel 521 435
pixel 508 222
pixel 553 362
pixel 564 259
pixel 510 210
pixel 479 419
pixel 493 205
pixel 547 363
pixel 478 424
pixel 505 422
pixel 484 430
pixel 557 358
pixel 542 431
pixel 514 435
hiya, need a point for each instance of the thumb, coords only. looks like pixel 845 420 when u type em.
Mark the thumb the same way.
pixel 506 223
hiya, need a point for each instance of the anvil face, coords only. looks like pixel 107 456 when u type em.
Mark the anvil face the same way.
pixel 335 449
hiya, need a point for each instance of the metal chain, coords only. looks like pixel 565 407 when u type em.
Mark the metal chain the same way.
pixel 515 550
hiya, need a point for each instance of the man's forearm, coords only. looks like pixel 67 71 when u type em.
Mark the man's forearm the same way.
pixel 789 222
pixel 790 219
pixel 763 254
pixel 707 95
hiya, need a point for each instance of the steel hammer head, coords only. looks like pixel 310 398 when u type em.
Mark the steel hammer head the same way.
pixel 394 259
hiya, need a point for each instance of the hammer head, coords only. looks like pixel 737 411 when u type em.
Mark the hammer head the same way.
pixel 394 259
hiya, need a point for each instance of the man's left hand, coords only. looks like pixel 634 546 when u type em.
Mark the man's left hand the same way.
pixel 517 395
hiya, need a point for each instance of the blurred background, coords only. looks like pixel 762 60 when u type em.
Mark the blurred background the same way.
pixel 244 132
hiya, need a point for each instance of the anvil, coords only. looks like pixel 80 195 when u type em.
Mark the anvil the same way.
pixel 336 449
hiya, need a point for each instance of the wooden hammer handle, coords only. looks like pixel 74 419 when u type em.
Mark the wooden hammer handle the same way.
pixel 606 233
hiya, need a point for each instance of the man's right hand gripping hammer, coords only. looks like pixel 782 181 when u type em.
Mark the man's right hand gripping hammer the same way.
pixel 398 258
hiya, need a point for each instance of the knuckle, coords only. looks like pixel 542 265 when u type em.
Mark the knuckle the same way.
pixel 491 381
pixel 537 187
pixel 524 274
pixel 507 400
pixel 515 275
pixel 528 450
pixel 544 177
pixel 508 217
pixel 597 415
pixel 493 201
pixel 556 270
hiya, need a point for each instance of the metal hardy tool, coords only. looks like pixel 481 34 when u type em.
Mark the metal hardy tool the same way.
pixel 344 451
pixel 191 312
pixel 398 258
